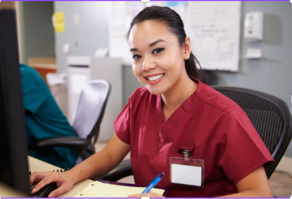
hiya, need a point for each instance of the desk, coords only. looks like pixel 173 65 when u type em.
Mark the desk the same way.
pixel 38 165
pixel 6 191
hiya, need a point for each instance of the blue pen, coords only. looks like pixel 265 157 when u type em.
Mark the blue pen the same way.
pixel 153 183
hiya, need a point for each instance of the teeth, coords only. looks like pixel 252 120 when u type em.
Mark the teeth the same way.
pixel 155 77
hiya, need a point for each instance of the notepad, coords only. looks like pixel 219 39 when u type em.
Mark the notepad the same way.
pixel 99 189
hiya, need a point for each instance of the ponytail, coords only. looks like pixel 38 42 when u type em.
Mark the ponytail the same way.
pixel 192 70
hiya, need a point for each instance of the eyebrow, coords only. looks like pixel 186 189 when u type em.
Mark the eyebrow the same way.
pixel 150 45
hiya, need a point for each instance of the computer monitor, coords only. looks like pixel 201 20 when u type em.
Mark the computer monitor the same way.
pixel 13 140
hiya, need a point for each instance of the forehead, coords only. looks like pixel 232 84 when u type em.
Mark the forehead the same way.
pixel 149 31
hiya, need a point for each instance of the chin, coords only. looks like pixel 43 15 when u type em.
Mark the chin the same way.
pixel 155 91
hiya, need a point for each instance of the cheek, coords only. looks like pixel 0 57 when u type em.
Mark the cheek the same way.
pixel 172 60
pixel 135 70
pixel 170 64
pixel 177 61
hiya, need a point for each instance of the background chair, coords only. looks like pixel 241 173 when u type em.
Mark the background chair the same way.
pixel 270 116
pixel 86 123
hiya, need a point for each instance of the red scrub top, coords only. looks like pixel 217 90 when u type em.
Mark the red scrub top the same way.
pixel 213 127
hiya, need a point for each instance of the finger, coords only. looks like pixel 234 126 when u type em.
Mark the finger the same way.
pixel 135 196
pixel 150 194
pixel 57 192
pixel 138 195
pixel 42 183
pixel 37 176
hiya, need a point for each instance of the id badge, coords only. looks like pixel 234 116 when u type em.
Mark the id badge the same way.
pixel 187 171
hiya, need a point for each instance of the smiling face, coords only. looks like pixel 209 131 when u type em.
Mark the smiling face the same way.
pixel 158 58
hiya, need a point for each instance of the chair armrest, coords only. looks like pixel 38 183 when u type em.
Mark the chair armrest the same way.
pixel 124 169
pixel 119 174
pixel 69 142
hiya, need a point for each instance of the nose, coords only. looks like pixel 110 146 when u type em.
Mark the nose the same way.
pixel 148 64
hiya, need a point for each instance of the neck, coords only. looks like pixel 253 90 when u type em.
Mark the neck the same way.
pixel 182 89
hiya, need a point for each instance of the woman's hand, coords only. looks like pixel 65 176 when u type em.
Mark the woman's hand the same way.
pixel 64 181
pixel 150 194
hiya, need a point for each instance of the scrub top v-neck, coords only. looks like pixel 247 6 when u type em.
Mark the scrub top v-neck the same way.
pixel 213 127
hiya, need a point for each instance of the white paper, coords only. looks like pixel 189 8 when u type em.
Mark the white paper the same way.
pixel 78 82
pixel 99 189
pixel 253 53
pixel 185 174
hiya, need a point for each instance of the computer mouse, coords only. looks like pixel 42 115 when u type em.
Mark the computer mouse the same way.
pixel 44 192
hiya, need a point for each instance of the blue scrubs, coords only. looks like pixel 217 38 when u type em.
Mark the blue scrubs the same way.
pixel 44 119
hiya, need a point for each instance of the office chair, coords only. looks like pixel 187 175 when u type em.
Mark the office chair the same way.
pixel 270 116
pixel 211 77
pixel 86 123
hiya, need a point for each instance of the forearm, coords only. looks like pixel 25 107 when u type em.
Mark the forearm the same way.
pixel 96 165
pixel 102 162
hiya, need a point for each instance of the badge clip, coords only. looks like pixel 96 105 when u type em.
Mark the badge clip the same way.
pixel 186 153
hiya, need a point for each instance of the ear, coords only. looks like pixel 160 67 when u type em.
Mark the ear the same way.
pixel 187 48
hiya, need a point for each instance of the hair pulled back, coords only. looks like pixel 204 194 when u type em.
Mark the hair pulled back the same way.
pixel 173 21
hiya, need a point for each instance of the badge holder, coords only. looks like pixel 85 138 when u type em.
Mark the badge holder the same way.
pixel 187 171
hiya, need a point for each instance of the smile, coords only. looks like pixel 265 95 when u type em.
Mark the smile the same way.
pixel 156 77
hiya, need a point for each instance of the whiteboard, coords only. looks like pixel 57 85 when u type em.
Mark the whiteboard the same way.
pixel 213 27
pixel 214 30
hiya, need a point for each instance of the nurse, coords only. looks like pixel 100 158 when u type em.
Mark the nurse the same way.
pixel 175 121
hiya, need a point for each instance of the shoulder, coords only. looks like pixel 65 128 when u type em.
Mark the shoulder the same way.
pixel 30 77
pixel 26 70
pixel 28 73
pixel 216 100
pixel 225 111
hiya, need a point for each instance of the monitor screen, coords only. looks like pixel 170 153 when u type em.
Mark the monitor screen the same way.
pixel 13 141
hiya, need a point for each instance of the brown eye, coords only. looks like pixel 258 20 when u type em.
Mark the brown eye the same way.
pixel 136 56
pixel 157 50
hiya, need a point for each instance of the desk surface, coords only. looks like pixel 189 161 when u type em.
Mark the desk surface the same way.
pixel 38 165
pixel 6 191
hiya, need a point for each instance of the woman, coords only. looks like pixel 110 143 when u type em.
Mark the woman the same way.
pixel 174 111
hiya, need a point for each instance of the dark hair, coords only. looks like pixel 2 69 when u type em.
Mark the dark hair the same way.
pixel 173 21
